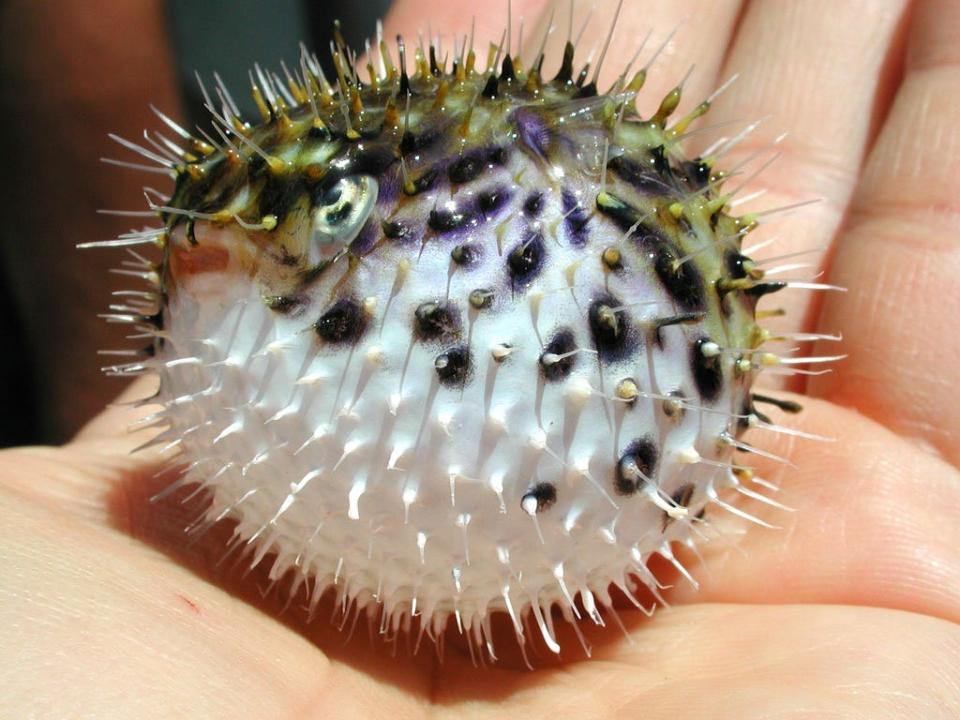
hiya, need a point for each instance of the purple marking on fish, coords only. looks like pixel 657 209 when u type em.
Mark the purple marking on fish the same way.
pixel 533 130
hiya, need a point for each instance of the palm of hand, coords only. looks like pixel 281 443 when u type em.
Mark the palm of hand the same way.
pixel 849 610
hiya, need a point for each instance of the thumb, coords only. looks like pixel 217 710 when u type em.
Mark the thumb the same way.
pixel 118 421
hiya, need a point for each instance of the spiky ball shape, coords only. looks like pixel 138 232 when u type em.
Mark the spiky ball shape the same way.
pixel 457 342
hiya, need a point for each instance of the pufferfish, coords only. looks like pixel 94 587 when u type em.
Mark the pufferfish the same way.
pixel 454 342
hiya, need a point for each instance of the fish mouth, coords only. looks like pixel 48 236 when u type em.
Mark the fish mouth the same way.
pixel 209 262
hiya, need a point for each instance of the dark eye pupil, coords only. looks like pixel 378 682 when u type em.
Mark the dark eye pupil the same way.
pixel 339 214
pixel 332 195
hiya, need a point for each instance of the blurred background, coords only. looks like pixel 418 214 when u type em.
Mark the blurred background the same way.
pixel 72 71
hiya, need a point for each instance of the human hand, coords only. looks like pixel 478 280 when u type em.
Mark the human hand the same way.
pixel 848 610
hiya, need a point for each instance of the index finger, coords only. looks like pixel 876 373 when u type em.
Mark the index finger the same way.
pixel 900 256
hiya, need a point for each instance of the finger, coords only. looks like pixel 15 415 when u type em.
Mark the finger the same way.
pixel 722 661
pixel 89 612
pixel 116 420
pixel 900 256
pixel 824 82
pixel 453 20
pixel 101 462
pixel 697 35
pixel 874 523
pixel 69 77
pixel 110 454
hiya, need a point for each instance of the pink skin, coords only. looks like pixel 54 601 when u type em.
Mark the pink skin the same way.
pixel 850 610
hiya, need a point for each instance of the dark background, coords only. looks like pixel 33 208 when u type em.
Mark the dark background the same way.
pixel 39 329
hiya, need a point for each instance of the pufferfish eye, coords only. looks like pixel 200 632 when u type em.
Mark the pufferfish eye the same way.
pixel 341 214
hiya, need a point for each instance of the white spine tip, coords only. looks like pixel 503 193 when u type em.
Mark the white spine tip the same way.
pixel 579 389
pixel 375 355
pixel 501 351
pixel 394 403
pixel 497 418
pixel 538 439
pixel 353 500
pixel 444 419
pixel 710 349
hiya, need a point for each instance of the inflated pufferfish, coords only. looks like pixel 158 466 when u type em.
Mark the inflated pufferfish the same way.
pixel 452 342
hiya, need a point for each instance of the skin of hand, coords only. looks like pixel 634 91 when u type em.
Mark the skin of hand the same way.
pixel 848 610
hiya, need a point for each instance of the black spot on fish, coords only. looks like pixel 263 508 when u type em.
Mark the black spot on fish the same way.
pixel 453 366
pixel 466 168
pixel 637 463
pixel 525 260
pixel 499 155
pixel 544 494
pixel 396 230
pixel 640 176
pixel 533 204
pixel 575 218
pixel 682 281
pixel 466 254
pixel 492 200
pixel 560 344
pixel 344 322
pixel 436 321
pixel 611 329
pixel 707 371
pixel 444 220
